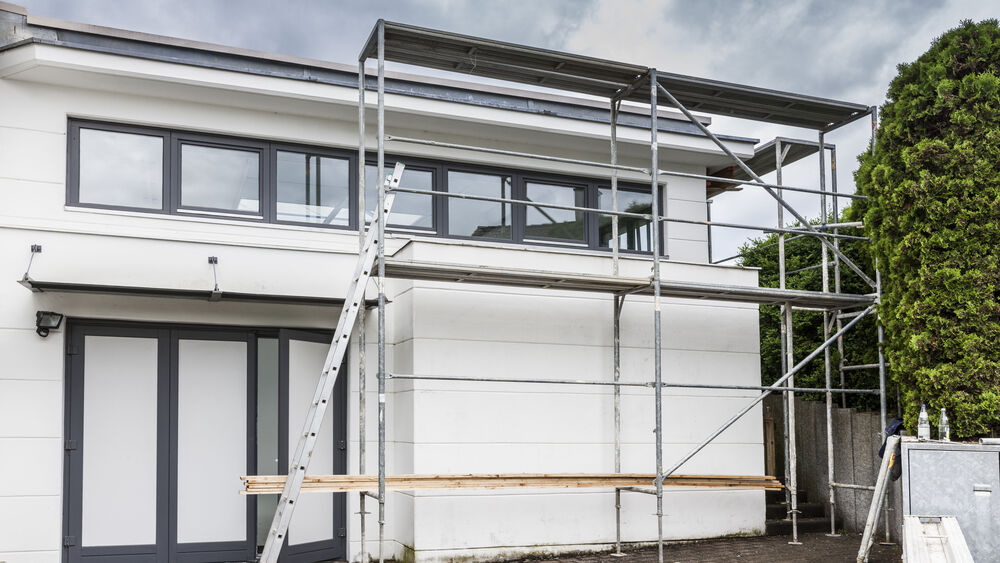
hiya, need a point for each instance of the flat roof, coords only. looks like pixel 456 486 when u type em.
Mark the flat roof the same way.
pixel 500 60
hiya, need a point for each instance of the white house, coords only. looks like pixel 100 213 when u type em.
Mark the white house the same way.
pixel 196 212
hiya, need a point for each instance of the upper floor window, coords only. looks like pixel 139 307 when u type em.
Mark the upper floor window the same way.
pixel 477 218
pixel 313 189
pixel 633 233
pixel 178 172
pixel 411 211
pixel 552 223
pixel 220 178
pixel 120 169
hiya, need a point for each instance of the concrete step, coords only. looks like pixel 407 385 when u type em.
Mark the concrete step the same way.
pixel 806 526
pixel 774 497
pixel 806 510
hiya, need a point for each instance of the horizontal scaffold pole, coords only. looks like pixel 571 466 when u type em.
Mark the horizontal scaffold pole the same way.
pixel 776 386
pixel 430 143
pixel 517 380
pixel 643 216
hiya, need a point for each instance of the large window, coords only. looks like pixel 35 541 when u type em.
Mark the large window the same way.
pixel 551 223
pixel 156 170
pixel 476 218
pixel 313 189
pixel 218 178
pixel 413 211
pixel 120 169
pixel 633 233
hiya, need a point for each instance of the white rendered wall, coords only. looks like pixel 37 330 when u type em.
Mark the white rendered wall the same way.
pixel 431 329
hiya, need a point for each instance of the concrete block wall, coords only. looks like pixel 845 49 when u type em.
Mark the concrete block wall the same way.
pixel 856 441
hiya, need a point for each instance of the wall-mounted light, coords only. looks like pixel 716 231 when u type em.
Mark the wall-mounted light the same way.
pixel 46 321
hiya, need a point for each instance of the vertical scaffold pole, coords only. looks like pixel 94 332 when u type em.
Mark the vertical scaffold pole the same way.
pixel 793 508
pixel 657 336
pixel 362 374
pixel 616 319
pixel 381 290
pixel 836 274
pixel 789 397
pixel 615 104
pixel 779 157
pixel 618 302
pixel 827 363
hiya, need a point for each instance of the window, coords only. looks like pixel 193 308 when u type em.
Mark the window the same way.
pixel 633 233
pixel 178 172
pixel 120 169
pixel 561 224
pixel 480 219
pixel 412 211
pixel 313 189
pixel 220 178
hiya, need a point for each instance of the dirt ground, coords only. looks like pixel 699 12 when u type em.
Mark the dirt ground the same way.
pixel 767 549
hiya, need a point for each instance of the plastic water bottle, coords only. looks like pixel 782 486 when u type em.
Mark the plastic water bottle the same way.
pixel 923 424
pixel 944 430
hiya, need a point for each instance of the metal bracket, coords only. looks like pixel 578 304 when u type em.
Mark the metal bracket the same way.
pixel 216 294
pixel 26 280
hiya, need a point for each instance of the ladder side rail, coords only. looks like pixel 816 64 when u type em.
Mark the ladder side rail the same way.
pixel 881 486
pixel 299 461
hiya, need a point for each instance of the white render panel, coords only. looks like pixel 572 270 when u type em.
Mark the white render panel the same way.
pixel 21 519
pixel 211 440
pixel 30 409
pixel 23 355
pixel 30 466
pixel 120 434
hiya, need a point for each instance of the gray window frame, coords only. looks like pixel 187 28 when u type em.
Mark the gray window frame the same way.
pixel 173 139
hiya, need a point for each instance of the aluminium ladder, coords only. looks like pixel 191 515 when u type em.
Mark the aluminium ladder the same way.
pixel 299 461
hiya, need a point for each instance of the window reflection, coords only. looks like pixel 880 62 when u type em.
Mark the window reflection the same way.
pixel 633 233
pixel 218 178
pixel 472 218
pixel 409 210
pixel 547 222
pixel 313 189
pixel 122 169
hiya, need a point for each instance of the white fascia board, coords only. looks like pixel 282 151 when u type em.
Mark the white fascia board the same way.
pixel 18 63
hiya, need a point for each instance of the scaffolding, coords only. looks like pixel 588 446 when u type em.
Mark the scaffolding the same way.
pixel 618 83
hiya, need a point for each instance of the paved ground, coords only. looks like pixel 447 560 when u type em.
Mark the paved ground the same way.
pixel 769 549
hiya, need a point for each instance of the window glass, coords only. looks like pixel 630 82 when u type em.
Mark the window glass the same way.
pixel 546 222
pixel 633 233
pixel 313 189
pixel 121 169
pixel 472 218
pixel 218 178
pixel 409 210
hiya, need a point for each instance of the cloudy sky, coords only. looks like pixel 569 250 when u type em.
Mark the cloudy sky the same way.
pixel 836 49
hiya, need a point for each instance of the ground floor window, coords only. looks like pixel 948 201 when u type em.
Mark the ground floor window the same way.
pixel 161 422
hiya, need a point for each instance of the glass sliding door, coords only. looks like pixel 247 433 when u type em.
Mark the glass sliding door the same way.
pixel 161 423
pixel 212 403
pixel 117 484
pixel 317 528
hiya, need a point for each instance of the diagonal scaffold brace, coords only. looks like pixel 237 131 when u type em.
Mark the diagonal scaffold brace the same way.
pixel 299 462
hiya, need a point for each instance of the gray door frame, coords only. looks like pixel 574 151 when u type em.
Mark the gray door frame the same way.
pixel 166 549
